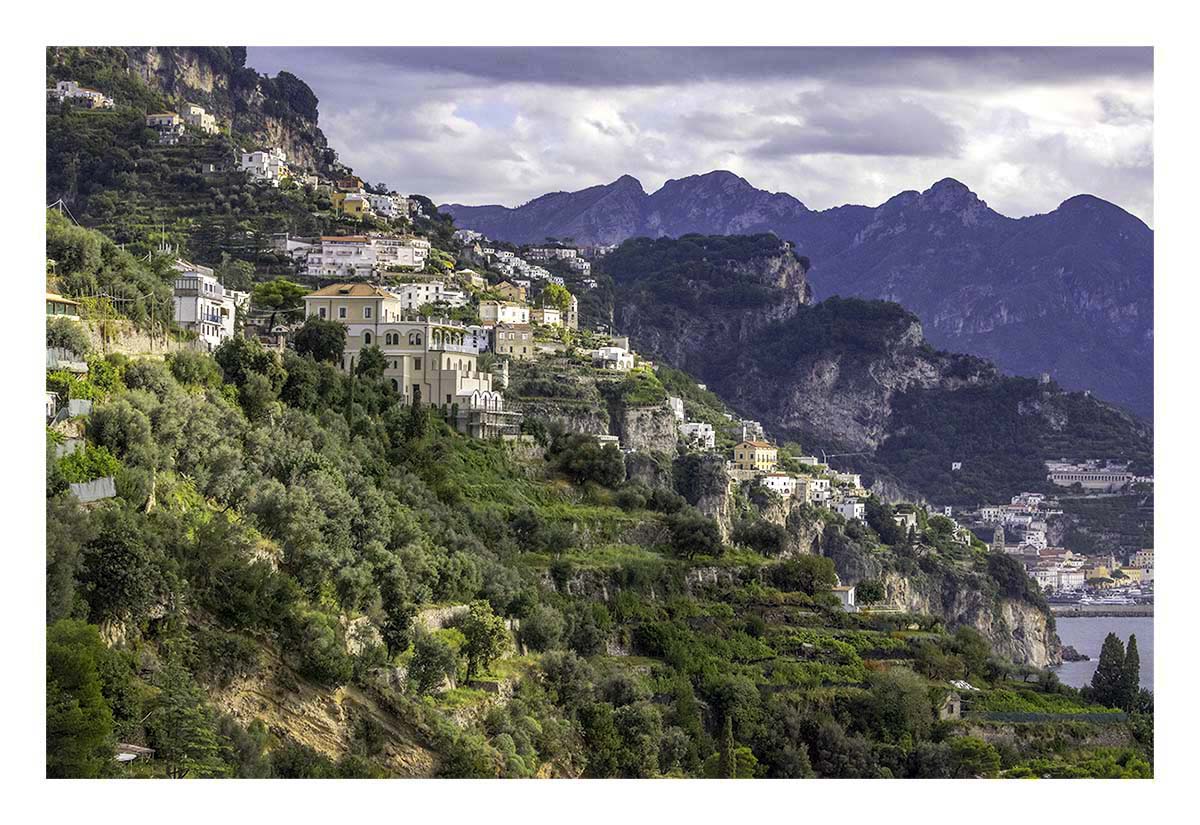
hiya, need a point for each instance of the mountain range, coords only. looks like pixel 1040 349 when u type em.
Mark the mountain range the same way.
pixel 1069 292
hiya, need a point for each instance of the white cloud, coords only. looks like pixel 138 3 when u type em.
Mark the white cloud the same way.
pixel 1024 129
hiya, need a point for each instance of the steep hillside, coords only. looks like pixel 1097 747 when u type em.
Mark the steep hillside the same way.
pixel 272 111
pixel 1069 292
pixel 853 376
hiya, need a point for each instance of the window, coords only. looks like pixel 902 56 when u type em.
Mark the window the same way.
pixel 366 338
pixel 417 364
pixel 321 313
pixel 341 312
pixel 366 312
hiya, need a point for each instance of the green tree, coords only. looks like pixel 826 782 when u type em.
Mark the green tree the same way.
pixel 323 340
pixel 971 757
pixel 727 766
pixel 181 726
pixel 693 534
pixel 241 357
pixel 806 574
pixel 434 659
pixel 1108 682
pixel 898 705
pixel 68 334
pixel 79 723
pixel 869 591
pixel 1131 674
pixel 418 418
pixel 486 635
pixel 371 363
pixel 279 296
pixel 557 297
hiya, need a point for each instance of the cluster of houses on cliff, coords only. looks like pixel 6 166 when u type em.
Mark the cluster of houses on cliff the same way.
pixel 172 126
pixel 1021 529
pixel 68 91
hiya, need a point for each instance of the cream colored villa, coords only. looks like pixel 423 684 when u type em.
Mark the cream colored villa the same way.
pixel 424 354
pixel 755 456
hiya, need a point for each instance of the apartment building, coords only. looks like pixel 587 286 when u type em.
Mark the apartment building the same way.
pixel 204 306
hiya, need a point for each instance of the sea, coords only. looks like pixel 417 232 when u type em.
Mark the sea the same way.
pixel 1086 634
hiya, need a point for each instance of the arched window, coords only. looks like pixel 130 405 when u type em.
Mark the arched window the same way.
pixel 366 338
pixel 395 385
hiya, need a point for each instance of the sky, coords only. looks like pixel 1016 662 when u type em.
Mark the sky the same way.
pixel 1024 128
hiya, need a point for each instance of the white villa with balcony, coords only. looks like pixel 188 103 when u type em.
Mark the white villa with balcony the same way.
pixel 204 305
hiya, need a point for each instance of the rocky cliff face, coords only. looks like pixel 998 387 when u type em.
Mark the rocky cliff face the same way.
pixel 324 720
pixel 1069 292
pixel 701 478
pixel 647 429
pixel 1017 630
pixel 689 334
pixel 269 111
pixel 854 377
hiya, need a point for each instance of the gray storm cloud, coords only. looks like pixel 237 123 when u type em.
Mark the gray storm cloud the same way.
pixel 1026 128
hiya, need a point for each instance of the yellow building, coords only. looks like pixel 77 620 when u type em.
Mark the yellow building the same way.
pixel 351 203
pixel 755 457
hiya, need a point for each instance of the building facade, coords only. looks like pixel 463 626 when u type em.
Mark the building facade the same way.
pixel 423 356
pixel 204 306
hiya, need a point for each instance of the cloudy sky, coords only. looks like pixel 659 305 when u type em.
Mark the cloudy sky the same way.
pixel 1024 128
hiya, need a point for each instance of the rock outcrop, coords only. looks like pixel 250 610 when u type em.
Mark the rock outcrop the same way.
pixel 274 111
pixel 1016 630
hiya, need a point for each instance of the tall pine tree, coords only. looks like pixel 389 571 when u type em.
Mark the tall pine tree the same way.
pixel 1108 682
pixel 1131 673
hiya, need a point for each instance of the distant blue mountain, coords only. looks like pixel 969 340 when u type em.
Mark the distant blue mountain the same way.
pixel 1070 292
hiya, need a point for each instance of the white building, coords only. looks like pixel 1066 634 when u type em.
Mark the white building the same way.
pixel 549 253
pixel 752 430
pixel 816 490
pixel 265 166
pixel 676 405
pixel 546 316
pixel 467 236
pixel 502 312
pixel 196 117
pixel 389 206
pixel 781 483
pixel 349 257
pixel 1090 475
pixel 845 597
pixel 204 306
pixel 851 509
pixel 169 125
pixel 81 95
pixel 400 253
pixel 415 295
pixel 478 338
pixel 698 433
pixel 613 358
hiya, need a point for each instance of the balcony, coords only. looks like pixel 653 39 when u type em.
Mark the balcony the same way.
pixel 442 346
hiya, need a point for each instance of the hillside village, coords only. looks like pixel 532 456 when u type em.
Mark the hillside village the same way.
pixel 423 471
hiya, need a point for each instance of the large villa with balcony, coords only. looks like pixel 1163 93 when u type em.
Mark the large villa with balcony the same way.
pixel 429 355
